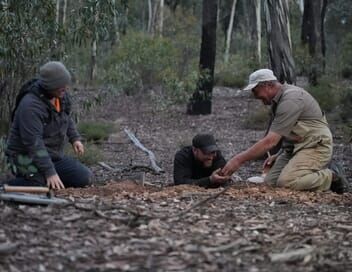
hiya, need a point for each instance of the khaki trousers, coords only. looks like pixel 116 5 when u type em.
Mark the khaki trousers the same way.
pixel 303 170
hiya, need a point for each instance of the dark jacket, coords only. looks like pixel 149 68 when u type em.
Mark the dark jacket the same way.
pixel 187 170
pixel 39 132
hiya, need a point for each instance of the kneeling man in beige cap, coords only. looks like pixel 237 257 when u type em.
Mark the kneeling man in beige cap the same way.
pixel 301 164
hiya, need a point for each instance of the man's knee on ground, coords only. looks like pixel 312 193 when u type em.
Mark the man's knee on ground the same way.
pixel 87 178
pixel 287 181
pixel 83 178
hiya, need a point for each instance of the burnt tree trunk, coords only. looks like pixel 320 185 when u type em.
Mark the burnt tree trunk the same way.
pixel 279 40
pixel 312 35
pixel 200 103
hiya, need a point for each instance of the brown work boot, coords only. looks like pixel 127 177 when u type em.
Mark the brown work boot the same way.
pixel 339 182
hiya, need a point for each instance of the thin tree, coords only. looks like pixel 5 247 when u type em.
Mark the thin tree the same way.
pixel 229 32
pixel 279 40
pixel 312 35
pixel 258 39
pixel 150 16
pixel 200 102
pixel 161 19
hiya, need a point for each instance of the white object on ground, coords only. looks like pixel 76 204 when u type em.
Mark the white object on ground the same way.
pixel 256 179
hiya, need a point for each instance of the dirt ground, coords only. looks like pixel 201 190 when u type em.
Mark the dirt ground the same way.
pixel 133 220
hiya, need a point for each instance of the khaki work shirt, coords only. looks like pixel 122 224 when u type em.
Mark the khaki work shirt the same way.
pixel 298 118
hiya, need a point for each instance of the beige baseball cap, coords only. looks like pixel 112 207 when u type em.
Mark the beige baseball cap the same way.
pixel 260 75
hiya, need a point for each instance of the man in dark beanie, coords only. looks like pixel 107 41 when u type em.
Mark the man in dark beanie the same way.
pixel 200 163
pixel 41 126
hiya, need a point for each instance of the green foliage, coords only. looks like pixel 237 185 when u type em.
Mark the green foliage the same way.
pixel 142 61
pixel 4 127
pixel 94 20
pixel 176 90
pixel 346 105
pixel 139 61
pixel 327 93
pixel 4 167
pixel 92 154
pixel 27 37
pixel 235 73
pixel 346 57
pixel 95 131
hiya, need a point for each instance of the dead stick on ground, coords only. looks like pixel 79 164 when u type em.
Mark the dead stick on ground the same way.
pixel 214 196
pixel 151 155
pixel 107 167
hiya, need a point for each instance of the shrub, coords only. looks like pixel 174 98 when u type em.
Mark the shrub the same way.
pixel 235 73
pixel 345 104
pixel 139 61
pixel 3 163
pixel 4 127
pixel 326 93
pixel 92 154
pixel 176 90
pixel 96 131
pixel 143 62
pixel 346 56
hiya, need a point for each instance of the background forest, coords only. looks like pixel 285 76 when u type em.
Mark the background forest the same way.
pixel 134 46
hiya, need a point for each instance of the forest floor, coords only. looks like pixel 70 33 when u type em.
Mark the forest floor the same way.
pixel 134 220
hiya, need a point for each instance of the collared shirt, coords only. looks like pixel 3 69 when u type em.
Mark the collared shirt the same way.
pixel 293 109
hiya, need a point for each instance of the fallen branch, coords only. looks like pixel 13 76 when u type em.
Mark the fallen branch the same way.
pixel 126 169
pixel 107 167
pixel 151 155
pixel 226 247
pixel 291 256
pixel 202 202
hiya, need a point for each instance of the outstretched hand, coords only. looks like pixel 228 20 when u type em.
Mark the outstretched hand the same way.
pixel 230 167
pixel 78 147
pixel 217 178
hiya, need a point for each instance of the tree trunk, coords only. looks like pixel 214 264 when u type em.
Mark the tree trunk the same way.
pixel 301 5
pixel 93 67
pixel 154 18
pixel 64 9
pixel 279 40
pixel 57 12
pixel 322 32
pixel 150 16
pixel 258 38
pixel 161 19
pixel 93 64
pixel 115 30
pixel 312 34
pixel 229 32
pixel 218 13
pixel 200 102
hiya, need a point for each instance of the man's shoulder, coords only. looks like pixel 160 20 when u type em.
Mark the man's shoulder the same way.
pixel 32 103
pixel 292 91
pixel 184 152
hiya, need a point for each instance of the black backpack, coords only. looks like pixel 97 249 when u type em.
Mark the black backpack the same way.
pixel 30 87
pixel 25 89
